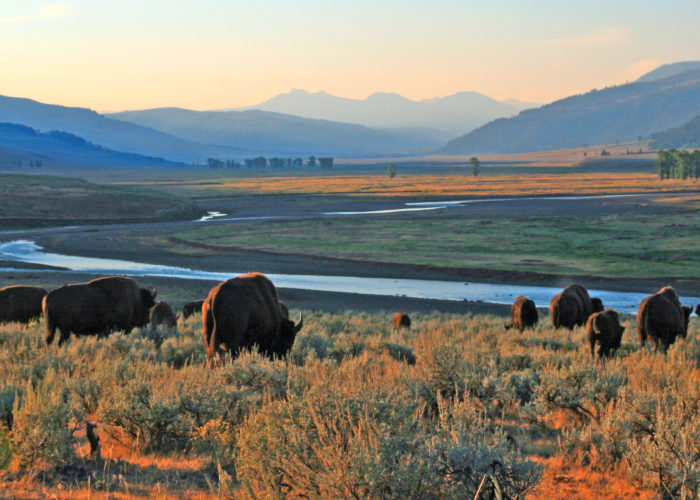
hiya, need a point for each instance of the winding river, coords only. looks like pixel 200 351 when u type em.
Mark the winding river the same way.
pixel 29 252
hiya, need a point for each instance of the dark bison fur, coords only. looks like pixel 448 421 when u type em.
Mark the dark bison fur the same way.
pixel 244 312
pixel 523 314
pixel 572 307
pixel 603 328
pixel 662 319
pixel 191 308
pixel 20 303
pixel 96 308
pixel 401 320
pixel 162 314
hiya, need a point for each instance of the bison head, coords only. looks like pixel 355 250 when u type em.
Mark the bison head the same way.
pixel 288 332
pixel 686 310
pixel 597 304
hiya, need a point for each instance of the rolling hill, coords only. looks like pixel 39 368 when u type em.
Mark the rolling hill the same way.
pixel 20 145
pixel 113 134
pixel 277 133
pixel 453 115
pixel 685 136
pixel 622 112
pixel 668 70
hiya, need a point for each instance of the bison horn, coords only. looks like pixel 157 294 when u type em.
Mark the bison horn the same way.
pixel 300 324
pixel 154 293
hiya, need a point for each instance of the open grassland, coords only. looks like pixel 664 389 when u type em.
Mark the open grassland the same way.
pixel 623 245
pixel 357 410
pixel 428 185
pixel 27 200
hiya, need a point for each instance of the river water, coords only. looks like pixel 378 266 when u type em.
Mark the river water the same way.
pixel 29 252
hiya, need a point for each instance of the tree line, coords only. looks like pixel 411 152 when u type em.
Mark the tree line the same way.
pixel 274 162
pixel 678 164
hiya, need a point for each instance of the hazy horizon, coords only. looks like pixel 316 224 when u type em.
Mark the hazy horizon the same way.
pixel 113 56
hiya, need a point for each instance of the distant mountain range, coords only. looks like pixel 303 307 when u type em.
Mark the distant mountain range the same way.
pixel 113 134
pixel 685 136
pixel 623 113
pixel 453 115
pixel 21 145
pixel 668 70
pixel 282 134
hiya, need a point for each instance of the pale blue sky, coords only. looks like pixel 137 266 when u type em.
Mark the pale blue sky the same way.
pixel 128 54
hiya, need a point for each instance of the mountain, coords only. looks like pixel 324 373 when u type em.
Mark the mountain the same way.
pixel 107 132
pixel 454 114
pixel 668 70
pixel 623 113
pixel 276 133
pixel 21 144
pixel 685 136
pixel 521 105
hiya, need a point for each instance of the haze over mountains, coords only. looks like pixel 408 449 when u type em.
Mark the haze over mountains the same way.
pixel 664 98
pixel 453 115
pixel 283 134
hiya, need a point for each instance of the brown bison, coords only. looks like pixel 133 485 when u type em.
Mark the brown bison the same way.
pixel 662 318
pixel 162 314
pixel 523 314
pixel 191 308
pixel 20 303
pixel 96 308
pixel 605 329
pixel 243 312
pixel 401 320
pixel 573 306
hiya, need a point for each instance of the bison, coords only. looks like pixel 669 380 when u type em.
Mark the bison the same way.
pixel 573 306
pixel 96 308
pixel 162 314
pixel 284 310
pixel 697 310
pixel 662 318
pixel 401 320
pixel 20 303
pixel 523 314
pixel 191 308
pixel 243 312
pixel 604 328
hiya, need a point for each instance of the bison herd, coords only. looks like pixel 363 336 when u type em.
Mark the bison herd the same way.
pixel 245 311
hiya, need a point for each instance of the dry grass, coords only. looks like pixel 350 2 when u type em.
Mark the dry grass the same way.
pixel 436 185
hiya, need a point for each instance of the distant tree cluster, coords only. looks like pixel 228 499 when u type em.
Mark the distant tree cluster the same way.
pixel 678 164
pixel 20 163
pixel 274 162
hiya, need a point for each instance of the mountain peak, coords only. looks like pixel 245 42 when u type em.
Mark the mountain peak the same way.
pixel 668 70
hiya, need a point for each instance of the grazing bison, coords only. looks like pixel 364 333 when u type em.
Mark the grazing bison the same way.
pixel 523 314
pixel 162 314
pixel 96 308
pixel 284 310
pixel 20 303
pixel 572 306
pixel 605 329
pixel 662 318
pixel 190 308
pixel 401 320
pixel 244 312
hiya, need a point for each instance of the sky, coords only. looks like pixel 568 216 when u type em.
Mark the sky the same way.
pixel 113 55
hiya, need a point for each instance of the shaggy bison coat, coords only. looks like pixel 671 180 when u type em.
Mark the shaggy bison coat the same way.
pixel 244 312
pixel 401 320
pixel 573 306
pixel 662 318
pixel 523 314
pixel 191 308
pixel 604 329
pixel 20 303
pixel 162 314
pixel 96 308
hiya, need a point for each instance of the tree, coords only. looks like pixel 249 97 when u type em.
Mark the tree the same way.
pixel 312 161
pixel 475 165
pixel 326 162
pixel 391 170
pixel 662 164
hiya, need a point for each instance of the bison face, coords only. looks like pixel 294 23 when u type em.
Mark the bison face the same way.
pixel 597 304
pixel 288 332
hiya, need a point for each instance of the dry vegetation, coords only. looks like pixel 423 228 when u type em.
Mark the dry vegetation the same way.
pixel 526 184
pixel 357 410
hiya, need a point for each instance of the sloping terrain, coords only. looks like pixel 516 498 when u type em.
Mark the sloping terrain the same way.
pixel 685 136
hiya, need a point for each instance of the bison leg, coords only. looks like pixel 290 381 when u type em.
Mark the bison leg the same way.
pixel 65 334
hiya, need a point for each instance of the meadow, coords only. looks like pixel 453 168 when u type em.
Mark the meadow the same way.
pixel 623 244
pixel 357 409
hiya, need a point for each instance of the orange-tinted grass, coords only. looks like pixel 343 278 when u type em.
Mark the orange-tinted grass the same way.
pixel 460 185
pixel 563 481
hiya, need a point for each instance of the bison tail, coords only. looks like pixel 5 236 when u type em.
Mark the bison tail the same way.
pixel 49 322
